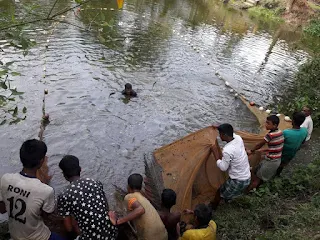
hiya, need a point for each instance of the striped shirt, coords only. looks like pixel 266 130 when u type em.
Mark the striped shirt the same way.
pixel 275 142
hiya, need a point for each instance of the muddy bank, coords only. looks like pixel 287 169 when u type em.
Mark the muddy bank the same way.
pixel 294 12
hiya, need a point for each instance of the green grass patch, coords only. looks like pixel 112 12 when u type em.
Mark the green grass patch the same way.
pixel 264 14
pixel 314 6
pixel 313 29
pixel 286 208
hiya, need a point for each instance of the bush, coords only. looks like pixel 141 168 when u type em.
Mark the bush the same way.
pixel 305 91
pixel 313 29
pixel 264 14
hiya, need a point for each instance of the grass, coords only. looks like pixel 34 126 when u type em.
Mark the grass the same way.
pixel 264 14
pixel 314 6
pixel 313 29
pixel 286 208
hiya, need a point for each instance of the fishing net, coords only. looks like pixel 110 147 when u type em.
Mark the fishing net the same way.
pixel 189 166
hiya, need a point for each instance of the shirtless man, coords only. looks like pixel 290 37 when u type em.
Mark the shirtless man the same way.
pixel 169 219
pixel 128 91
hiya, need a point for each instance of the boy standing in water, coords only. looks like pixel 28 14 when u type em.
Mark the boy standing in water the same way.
pixel 235 161
pixel 308 123
pixel 85 200
pixel 128 91
pixel 145 217
pixel 293 139
pixel 267 168
pixel 169 219
pixel 26 198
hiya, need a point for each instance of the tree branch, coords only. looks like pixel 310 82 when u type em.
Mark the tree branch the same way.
pixel 69 9
pixel 22 23
pixel 48 18
pixel 52 9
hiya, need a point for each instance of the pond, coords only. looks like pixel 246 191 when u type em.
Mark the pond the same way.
pixel 170 51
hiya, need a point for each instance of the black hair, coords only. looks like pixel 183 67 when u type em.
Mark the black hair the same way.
pixel 274 119
pixel 168 198
pixel 32 152
pixel 298 118
pixel 135 181
pixel 203 214
pixel 226 129
pixel 70 167
pixel 128 86
pixel 309 108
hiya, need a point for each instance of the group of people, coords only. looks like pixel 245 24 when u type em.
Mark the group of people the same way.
pixel 84 207
pixel 281 148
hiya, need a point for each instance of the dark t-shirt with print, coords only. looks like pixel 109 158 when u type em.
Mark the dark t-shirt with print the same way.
pixel 86 201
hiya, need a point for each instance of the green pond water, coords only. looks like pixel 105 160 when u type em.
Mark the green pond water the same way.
pixel 169 50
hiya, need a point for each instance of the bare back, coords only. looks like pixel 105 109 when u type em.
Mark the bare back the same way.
pixel 170 221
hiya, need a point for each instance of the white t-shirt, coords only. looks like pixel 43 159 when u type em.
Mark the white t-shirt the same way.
pixel 24 198
pixel 308 124
pixel 235 159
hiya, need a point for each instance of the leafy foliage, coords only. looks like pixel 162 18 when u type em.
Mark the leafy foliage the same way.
pixel 305 91
pixel 264 14
pixel 9 110
pixel 313 29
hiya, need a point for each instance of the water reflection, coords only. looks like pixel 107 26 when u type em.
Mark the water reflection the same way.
pixel 170 51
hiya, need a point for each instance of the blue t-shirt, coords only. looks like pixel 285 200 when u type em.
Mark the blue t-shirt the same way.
pixel 293 138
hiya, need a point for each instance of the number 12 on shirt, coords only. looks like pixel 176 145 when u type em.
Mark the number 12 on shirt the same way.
pixel 20 206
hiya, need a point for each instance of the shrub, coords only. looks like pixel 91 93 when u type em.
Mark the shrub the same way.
pixel 305 91
pixel 313 29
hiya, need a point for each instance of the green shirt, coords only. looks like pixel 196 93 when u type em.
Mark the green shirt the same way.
pixel 293 138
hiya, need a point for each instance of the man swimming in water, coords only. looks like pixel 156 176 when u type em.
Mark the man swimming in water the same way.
pixel 128 91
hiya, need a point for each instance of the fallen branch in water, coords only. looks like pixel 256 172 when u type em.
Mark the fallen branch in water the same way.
pixel 43 172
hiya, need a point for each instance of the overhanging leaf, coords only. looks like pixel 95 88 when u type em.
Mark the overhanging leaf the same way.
pixel 15 121
pixel 9 63
pixel 15 92
pixel 15 74
pixel 3 122
pixel 3 72
pixel 15 111
pixel 3 85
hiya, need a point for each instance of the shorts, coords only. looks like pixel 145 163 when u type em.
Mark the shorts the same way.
pixel 233 188
pixel 55 236
pixel 267 168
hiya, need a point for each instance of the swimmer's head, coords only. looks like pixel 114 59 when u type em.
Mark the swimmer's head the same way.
pixel 128 88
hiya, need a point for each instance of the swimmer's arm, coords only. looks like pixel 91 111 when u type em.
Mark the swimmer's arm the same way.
pixel 133 94
pixel 2 207
pixel 137 211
